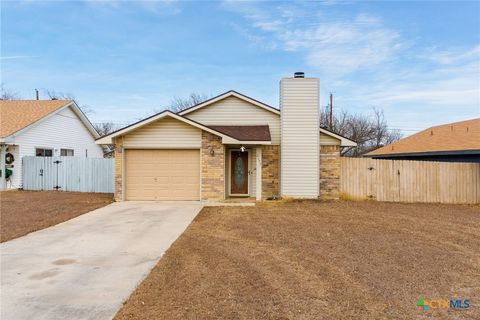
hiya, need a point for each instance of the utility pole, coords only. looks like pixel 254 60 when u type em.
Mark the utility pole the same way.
pixel 331 112
pixel 36 94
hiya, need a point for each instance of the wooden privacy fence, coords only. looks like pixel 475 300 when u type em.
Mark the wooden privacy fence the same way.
pixel 68 174
pixel 410 181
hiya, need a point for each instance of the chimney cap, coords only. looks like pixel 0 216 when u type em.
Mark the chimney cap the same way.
pixel 299 74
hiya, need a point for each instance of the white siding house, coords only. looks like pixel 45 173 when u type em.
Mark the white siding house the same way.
pixel 61 131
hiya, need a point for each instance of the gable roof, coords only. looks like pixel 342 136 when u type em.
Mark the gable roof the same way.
pixel 227 94
pixel 456 136
pixel 245 133
pixel 19 115
pixel 344 141
pixel 226 138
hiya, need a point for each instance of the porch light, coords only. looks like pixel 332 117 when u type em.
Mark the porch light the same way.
pixel 242 149
pixel 212 152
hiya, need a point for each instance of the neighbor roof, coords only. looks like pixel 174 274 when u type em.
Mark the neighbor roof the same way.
pixel 457 136
pixel 245 133
pixel 18 114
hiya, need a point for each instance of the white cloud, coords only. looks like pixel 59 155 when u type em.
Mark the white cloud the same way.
pixel 339 45
pixel 367 63
pixel 453 56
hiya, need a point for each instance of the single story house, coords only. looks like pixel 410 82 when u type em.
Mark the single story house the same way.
pixel 43 128
pixel 451 142
pixel 231 146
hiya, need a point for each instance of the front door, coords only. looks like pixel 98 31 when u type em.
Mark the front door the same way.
pixel 239 173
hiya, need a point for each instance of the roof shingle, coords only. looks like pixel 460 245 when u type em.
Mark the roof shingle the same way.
pixel 245 133
pixel 457 136
pixel 17 114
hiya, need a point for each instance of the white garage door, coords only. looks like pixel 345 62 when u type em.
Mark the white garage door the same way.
pixel 162 174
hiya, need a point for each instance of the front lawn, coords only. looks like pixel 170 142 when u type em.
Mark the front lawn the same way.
pixel 316 260
pixel 22 212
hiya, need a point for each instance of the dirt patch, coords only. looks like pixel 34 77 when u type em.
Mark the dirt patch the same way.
pixel 22 212
pixel 316 260
pixel 45 274
pixel 62 262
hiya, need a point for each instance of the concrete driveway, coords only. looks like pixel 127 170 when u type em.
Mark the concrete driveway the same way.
pixel 86 267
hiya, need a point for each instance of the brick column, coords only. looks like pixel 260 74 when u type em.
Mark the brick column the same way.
pixel 213 167
pixel 329 172
pixel 270 171
pixel 118 168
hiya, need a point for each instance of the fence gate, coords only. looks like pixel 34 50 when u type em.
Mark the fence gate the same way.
pixel 68 174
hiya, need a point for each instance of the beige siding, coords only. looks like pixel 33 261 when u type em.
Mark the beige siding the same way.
pixel 299 100
pixel 164 133
pixel 325 139
pixel 234 111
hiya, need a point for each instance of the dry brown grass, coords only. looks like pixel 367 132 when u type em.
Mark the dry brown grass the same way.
pixel 22 212
pixel 316 260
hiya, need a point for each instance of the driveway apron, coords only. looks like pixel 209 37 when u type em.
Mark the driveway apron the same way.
pixel 86 267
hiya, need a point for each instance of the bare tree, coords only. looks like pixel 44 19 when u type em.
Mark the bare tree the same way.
pixel 178 104
pixel 6 94
pixel 381 134
pixel 54 95
pixel 370 132
pixel 104 128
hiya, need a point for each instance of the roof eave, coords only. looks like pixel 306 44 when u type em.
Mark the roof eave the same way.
pixel 344 142
pixel 79 112
pixel 425 153
pixel 226 95
pixel 246 142
pixel 167 113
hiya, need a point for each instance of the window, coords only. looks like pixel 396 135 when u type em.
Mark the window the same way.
pixel 66 152
pixel 43 152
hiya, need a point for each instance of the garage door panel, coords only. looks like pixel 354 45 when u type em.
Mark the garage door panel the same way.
pixel 162 174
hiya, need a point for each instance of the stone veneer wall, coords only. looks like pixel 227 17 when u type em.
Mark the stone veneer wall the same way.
pixel 270 171
pixel 329 172
pixel 118 168
pixel 213 167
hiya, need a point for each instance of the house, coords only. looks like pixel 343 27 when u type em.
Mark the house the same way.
pixel 231 146
pixel 451 142
pixel 42 128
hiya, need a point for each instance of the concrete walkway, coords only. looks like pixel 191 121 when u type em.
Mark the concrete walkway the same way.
pixel 86 267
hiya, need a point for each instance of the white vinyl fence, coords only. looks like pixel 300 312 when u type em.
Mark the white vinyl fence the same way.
pixel 68 174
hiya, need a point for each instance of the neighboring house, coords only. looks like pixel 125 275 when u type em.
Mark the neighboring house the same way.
pixel 231 146
pixel 452 142
pixel 43 128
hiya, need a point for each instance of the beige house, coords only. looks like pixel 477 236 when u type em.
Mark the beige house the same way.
pixel 231 146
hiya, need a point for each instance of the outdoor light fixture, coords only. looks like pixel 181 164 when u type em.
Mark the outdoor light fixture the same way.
pixel 242 148
pixel 212 152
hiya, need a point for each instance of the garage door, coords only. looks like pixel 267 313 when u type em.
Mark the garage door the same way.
pixel 162 174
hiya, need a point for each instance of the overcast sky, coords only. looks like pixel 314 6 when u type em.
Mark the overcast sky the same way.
pixel 419 61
